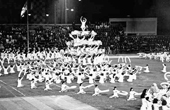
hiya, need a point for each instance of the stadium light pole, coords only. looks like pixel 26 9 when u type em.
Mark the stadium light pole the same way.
pixel 27 27
pixel 55 13
pixel 66 14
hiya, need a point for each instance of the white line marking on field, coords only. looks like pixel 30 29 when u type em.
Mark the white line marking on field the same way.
pixel 9 91
pixel 13 88
pixel 18 91
pixel 128 56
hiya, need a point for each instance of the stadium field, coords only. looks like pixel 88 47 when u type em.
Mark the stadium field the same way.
pixel 9 90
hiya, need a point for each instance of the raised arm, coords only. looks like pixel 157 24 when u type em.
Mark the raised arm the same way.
pixel 2 61
pixel 81 18
pixel 71 36
pixel 85 19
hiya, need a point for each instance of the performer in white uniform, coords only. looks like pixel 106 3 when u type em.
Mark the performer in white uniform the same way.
pixel 115 93
pixel 65 88
pixel 144 101
pixel 156 105
pixel 164 68
pixel 149 103
pixel 5 69
pixel 83 23
pixel 146 69
pixel 11 67
pixel 81 88
pixel 102 78
pixel 47 85
pixel 97 91
pixel 91 78
pixel 79 78
pixel 19 82
pixel 132 94
pixel 33 82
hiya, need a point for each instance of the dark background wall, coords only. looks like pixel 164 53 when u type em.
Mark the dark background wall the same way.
pixel 93 10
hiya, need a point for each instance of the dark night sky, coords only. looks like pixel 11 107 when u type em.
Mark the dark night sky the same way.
pixel 103 9
pixel 96 10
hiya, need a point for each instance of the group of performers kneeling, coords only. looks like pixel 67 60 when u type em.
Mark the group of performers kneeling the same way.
pixel 56 71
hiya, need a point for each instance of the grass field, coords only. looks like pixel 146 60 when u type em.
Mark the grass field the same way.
pixel 144 80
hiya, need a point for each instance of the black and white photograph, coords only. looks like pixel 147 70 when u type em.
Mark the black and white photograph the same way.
pixel 84 54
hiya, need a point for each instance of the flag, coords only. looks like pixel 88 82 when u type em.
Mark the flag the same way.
pixel 24 9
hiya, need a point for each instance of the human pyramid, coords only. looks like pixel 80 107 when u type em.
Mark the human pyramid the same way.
pixel 82 61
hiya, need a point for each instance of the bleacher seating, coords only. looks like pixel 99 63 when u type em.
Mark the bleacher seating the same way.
pixel 15 37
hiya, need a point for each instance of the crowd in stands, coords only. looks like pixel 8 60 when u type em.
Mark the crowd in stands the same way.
pixel 113 38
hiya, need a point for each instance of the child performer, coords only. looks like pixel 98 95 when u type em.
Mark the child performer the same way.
pixel 79 78
pixel 65 88
pixel 132 94
pixel 117 92
pixel 5 68
pixel 102 78
pixel 156 104
pixel 91 78
pixel 11 68
pixel 20 82
pixel 69 78
pixel 47 85
pixel 33 86
pixel 18 66
pixel 97 91
pixel 143 100
pixel 83 23
pixel 33 82
pixel 164 68
pixel 146 69
pixel 81 88
pixel 112 78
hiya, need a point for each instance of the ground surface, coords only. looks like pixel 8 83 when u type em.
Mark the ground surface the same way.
pixel 144 80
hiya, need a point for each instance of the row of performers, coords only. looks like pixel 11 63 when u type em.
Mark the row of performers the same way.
pixel 46 56
pixel 56 72
pixel 63 74
pixel 153 98
pixel 162 56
